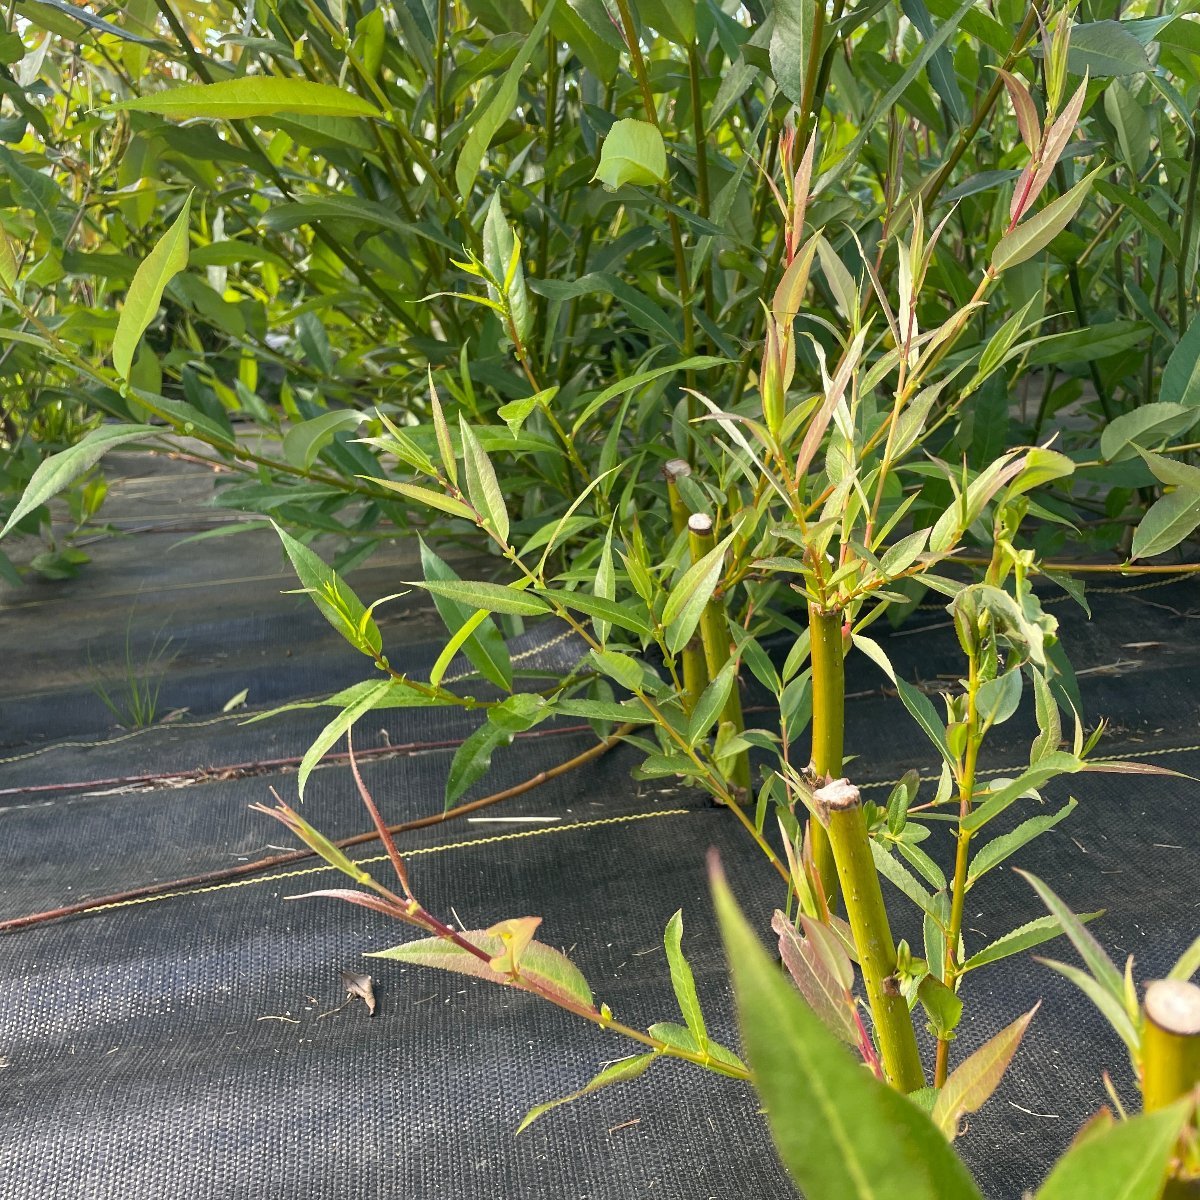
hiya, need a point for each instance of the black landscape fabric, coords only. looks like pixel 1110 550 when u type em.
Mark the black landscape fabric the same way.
pixel 197 1045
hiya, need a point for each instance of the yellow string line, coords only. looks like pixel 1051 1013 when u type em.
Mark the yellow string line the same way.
pixel 363 862
pixel 1161 582
pixel 1006 771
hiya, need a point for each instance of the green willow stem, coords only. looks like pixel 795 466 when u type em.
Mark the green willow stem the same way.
pixel 851 844
pixel 967 136
pixel 629 30
pixel 1185 239
pixel 958 893
pixel 1170 1042
pixel 714 636
pixel 828 726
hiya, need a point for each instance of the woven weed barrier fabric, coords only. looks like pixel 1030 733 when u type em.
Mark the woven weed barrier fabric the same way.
pixel 196 1044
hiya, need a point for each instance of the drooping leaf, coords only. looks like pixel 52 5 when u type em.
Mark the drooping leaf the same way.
pixel 618 1072
pixel 60 470
pixel 632 153
pixel 542 968
pixel 162 264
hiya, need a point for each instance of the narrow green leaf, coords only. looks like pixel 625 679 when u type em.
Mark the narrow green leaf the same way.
pixel 482 485
pixel 607 611
pixel 333 597
pixel 484 646
pixel 685 604
pixel 1090 950
pixel 251 96
pixel 1036 232
pixel 1111 1007
pixel 60 470
pixel 618 1072
pixel 336 729
pixel 712 702
pixel 998 849
pixel 423 495
pixel 1127 1161
pixel 683 981
pixel 842 1134
pixel 1025 937
pixel 975 1079
pixel 162 264
pixel 495 597
pixel 498 106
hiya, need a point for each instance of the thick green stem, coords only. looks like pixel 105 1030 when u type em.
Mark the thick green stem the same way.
pixel 714 636
pixel 1170 1043
pixel 828 725
pixel 851 844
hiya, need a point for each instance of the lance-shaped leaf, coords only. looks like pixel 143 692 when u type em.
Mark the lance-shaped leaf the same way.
pixel 495 597
pixel 252 96
pixel 683 981
pixel 484 645
pixel 423 495
pixel 1093 954
pixel 1181 376
pixel 482 485
pixel 618 1072
pixel 1025 109
pixel 336 729
pixel 496 108
pixel 822 971
pixel 1025 937
pixel 542 968
pixel 1127 1161
pixel 161 265
pixel 1037 232
pixel 842 1134
pixel 685 604
pixel 333 597
pixel 974 1080
pixel 59 471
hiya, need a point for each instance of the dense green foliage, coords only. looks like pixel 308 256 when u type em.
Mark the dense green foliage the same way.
pixel 701 322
